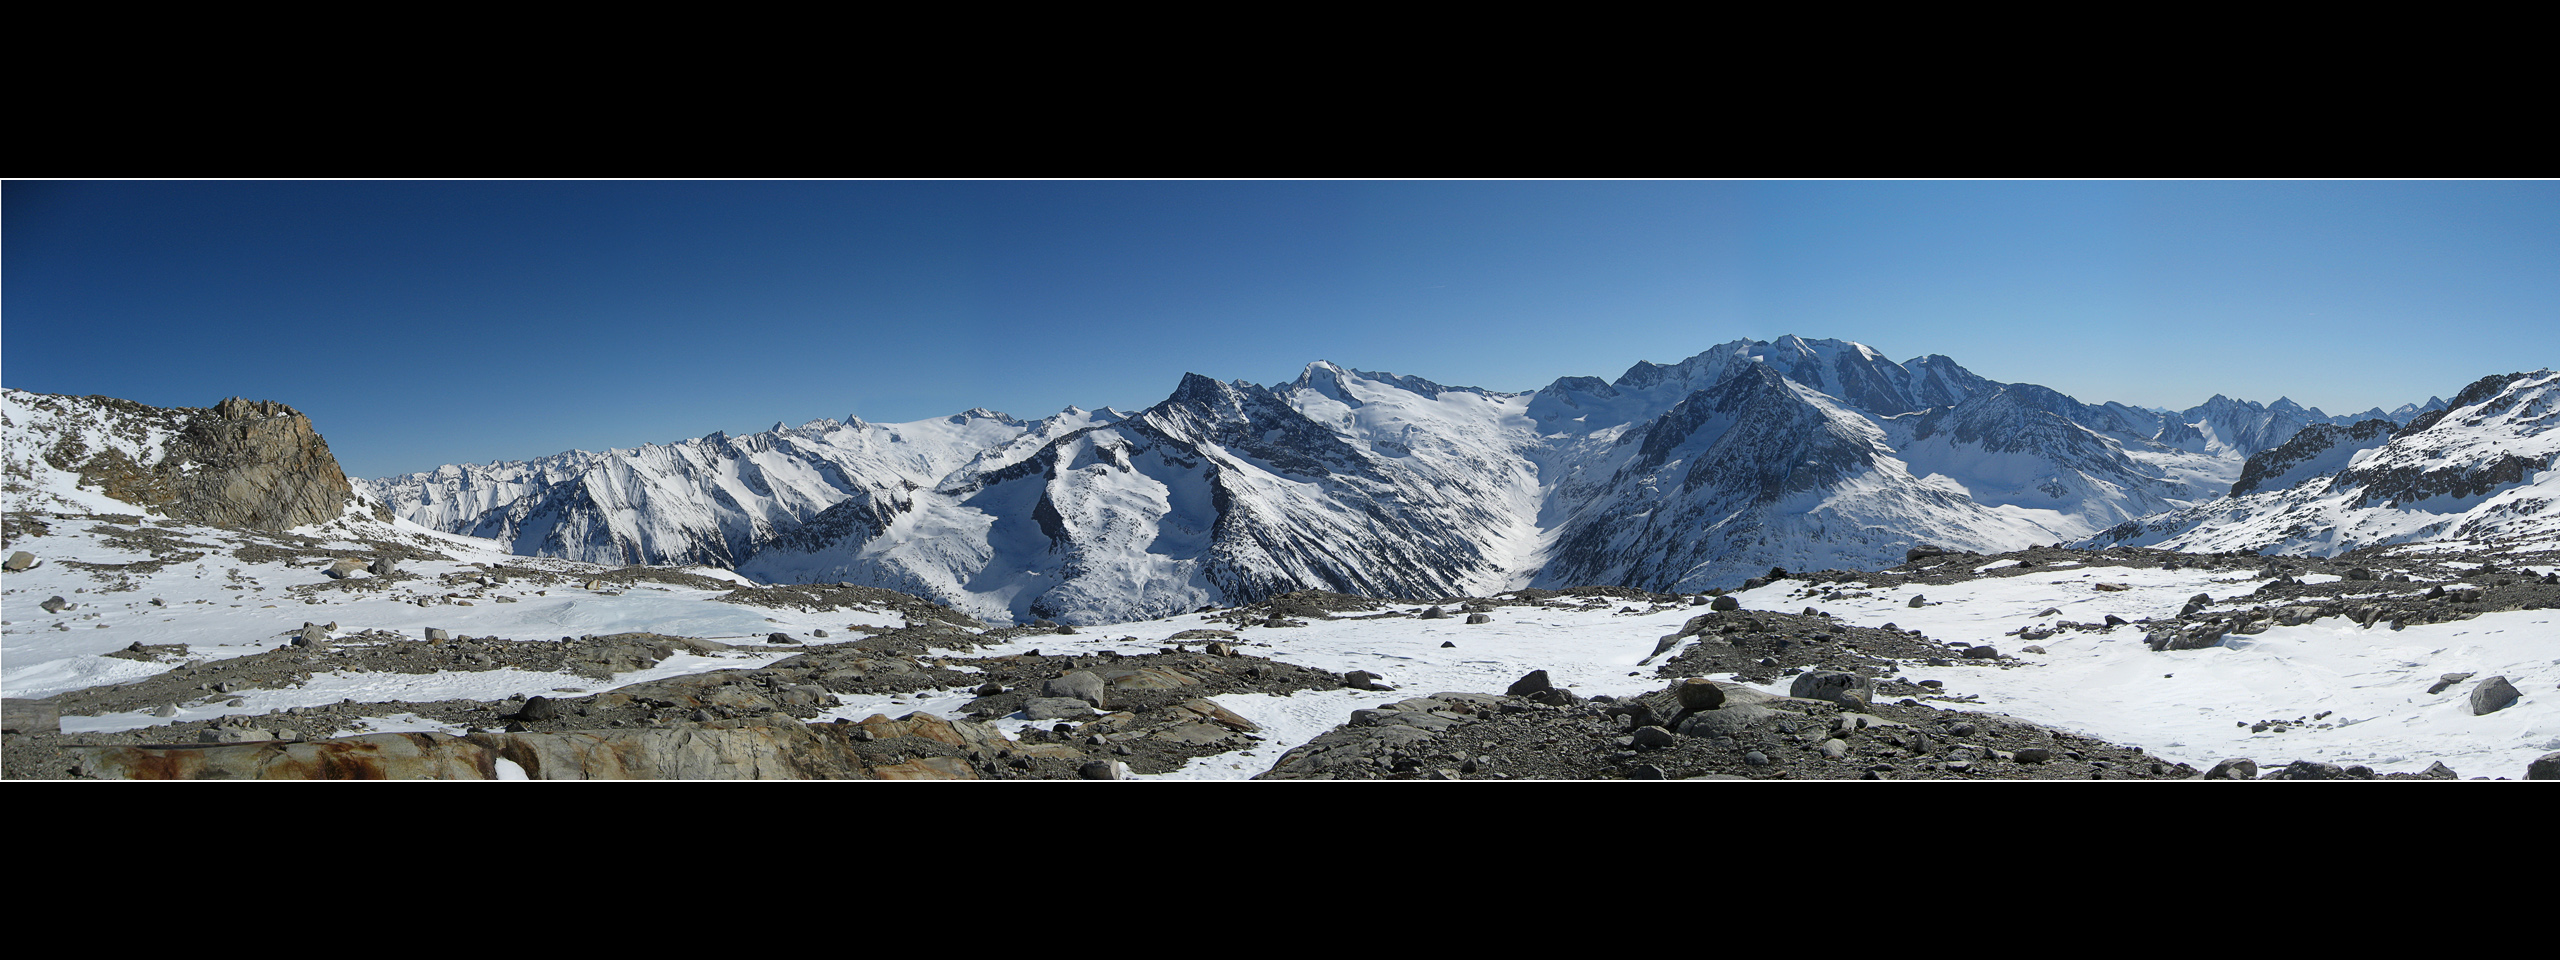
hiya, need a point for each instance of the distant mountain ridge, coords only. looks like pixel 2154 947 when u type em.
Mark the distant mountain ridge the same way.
pixel 1681 476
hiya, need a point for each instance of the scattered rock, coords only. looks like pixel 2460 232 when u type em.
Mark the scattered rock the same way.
pixel 19 561
pixel 1699 693
pixel 1536 681
pixel 2544 767
pixel 1479 618
pixel 1083 685
pixel 2492 695
pixel 2235 769
pixel 1831 685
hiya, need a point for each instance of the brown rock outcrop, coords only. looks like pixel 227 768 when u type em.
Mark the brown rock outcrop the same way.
pixel 239 463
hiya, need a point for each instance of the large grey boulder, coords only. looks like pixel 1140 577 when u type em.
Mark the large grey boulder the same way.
pixel 2238 768
pixel 2492 695
pixel 1830 685
pixel 1082 685
pixel 2544 767
pixel 20 560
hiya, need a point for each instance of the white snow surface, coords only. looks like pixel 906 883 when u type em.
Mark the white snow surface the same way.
pixel 2198 706
pixel 2190 706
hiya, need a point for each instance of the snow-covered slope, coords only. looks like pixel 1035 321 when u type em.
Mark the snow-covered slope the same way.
pixel 2483 470
pixel 1223 493
pixel 2007 449
pixel 1759 471
pixel 714 500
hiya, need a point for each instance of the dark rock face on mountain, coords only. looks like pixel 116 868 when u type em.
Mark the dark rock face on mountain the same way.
pixel 2319 443
pixel 239 463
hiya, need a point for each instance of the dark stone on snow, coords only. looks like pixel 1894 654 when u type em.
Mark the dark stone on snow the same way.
pixel 1536 681
pixel 2544 767
pixel 2492 695
pixel 2238 768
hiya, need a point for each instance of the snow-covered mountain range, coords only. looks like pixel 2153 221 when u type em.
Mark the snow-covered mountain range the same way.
pixel 2485 468
pixel 1673 477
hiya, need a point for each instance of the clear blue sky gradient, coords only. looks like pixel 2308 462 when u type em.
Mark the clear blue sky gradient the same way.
pixel 437 322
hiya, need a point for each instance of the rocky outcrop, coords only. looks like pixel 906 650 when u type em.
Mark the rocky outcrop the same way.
pixel 255 464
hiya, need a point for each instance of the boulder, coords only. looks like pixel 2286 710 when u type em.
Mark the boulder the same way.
pixel 2544 767
pixel 1724 603
pixel 1082 685
pixel 1699 693
pixel 55 605
pixel 2240 768
pixel 1435 613
pixel 344 569
pixel 1535 681
pixel 1103 770
pixel 2492 695
pixel 1479 618
pixel 381 756
pixel 381 566
pixel 19 561
pixel 1831 685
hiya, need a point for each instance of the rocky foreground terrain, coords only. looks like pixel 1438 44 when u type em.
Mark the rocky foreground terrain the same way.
pixel 1044 701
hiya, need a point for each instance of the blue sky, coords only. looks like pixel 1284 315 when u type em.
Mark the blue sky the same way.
pixel 435 322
